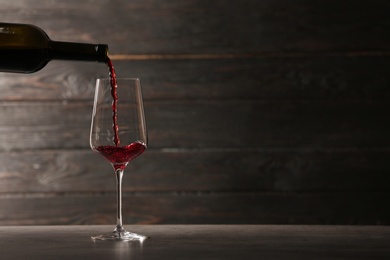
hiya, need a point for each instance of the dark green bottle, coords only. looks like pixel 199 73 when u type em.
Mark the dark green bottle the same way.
pixel 26 48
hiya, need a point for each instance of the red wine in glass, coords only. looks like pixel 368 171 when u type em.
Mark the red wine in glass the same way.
pixel 120 156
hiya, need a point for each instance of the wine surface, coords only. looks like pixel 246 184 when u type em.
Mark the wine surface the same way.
pixel 120 156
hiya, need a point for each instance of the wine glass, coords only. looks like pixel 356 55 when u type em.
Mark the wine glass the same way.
pixel 118 133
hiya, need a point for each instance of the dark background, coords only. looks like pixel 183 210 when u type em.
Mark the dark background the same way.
pixel 271 111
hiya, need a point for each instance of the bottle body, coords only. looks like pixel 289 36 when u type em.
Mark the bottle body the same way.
pixel 26 49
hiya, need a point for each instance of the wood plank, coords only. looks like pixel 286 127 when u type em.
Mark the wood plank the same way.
pixel 67 171
pixel 197 208
pixel 320 78
pixel 193 242
pixel 200 26
pixel 207 124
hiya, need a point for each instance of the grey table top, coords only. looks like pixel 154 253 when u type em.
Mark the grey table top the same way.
pixel 198 242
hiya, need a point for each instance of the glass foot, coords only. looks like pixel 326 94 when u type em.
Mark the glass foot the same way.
pixel 122 235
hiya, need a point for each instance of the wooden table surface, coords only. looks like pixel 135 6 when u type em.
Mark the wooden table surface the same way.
pixel 198 242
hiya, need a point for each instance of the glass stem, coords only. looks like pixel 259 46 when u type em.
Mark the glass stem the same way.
pixel 119 175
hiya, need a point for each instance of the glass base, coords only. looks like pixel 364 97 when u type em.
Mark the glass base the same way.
pixel 122 235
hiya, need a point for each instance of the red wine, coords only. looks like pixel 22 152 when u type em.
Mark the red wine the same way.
pixel 114 95
pixel 120 156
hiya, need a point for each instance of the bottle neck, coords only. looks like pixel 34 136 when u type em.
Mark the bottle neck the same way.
pixel 78 51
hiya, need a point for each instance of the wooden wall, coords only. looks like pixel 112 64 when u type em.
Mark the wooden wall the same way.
pixel 259 111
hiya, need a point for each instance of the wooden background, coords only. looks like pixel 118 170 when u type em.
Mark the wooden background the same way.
pixel 259 111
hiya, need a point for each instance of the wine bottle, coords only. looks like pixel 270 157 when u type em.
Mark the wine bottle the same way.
pixel 26 48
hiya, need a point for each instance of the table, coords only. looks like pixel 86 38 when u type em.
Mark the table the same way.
pixel 198 242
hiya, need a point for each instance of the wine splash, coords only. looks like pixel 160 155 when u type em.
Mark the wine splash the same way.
pixel 122 155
